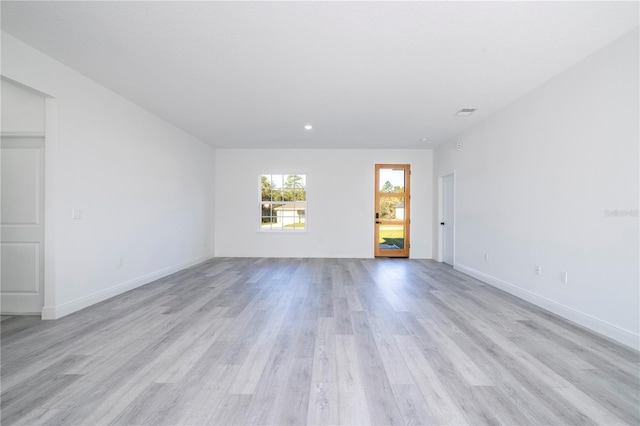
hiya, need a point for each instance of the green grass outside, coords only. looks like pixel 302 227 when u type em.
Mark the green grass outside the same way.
pixel 391 237
pixel 295 225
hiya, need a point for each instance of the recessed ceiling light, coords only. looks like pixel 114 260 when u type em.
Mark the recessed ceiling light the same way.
pixel 308 127
pixel 423 140
pixel 465 111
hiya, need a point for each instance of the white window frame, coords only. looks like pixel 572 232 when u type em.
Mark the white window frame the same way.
pixel 282 228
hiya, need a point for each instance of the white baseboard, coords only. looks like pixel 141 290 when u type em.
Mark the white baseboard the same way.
pixel 59 311
pixel 594 324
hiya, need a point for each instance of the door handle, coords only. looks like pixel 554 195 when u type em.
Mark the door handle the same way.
pixel 441 223
pixel 377 215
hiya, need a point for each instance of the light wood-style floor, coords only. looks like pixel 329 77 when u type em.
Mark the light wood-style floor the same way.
pixel 314 341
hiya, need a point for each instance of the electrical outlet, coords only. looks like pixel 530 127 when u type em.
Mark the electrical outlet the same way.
pixel 119 262
pixel 76 214
pixel 538 270
pixel 564 277
pixel 486 257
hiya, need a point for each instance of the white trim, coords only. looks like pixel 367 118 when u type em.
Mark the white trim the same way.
pixel 50 136
pixel 23 134
pixel 594 324
pixel 55 312
pixel 50 161
pixel 50 146
pixel 282 231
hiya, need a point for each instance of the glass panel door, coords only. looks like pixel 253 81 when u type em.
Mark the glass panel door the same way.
pixel 392 210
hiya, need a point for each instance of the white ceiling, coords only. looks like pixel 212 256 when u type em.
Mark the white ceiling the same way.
pixel 364 74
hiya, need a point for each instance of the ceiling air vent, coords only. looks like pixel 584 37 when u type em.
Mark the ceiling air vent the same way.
pixel 465 111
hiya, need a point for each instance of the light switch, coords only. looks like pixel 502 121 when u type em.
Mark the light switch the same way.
pixel 76 214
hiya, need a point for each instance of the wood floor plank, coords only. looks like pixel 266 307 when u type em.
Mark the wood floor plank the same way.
pixel 352 402
pixel 263 407
pixel 249 341
pixel 260 350
pixel 293 402
pixel 186 352
pixel 229 412
pixel 592 409
pixel 201 396
pixel 353 300
pixel 503 410
pixel 342 315
pixel 324 357
pixel 547 402
pixel 412 405
pixel 440 405
pixel 34 394
pixel 145 406
pixel 323 404
pixel 394 366
pixel 463 363
pixel 306 328
pixel 494 366
pixel 383 408
pixel 36 417
pixel 584 353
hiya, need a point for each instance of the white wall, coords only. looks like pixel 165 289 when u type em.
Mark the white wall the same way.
pixel 534 182
pixel 145 187
pixel 22 109
pixel 340 193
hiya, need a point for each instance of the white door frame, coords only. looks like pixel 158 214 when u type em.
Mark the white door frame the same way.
pixel 50 156
pixel 440 218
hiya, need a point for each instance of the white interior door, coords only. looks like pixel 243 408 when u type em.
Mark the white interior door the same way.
pixel 22 225
pixel 448 220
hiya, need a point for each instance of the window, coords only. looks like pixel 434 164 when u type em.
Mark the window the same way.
pixel 283 202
